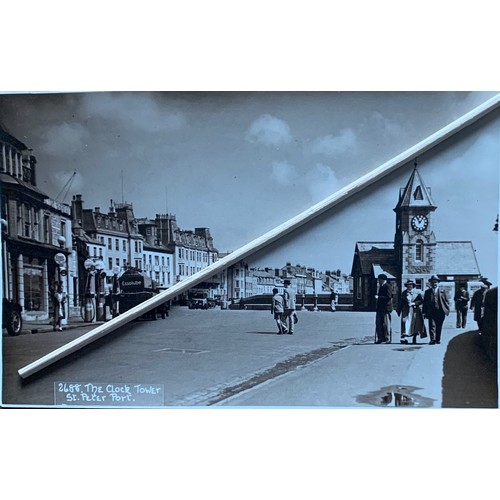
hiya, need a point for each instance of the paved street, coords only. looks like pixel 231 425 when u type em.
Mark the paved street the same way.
pixel 234 358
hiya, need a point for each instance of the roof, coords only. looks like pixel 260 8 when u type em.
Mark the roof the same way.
pixel 453 258
pixel 9 138
pixel 415 193
pixel 456 258
pixel 376 253
pixel 9 179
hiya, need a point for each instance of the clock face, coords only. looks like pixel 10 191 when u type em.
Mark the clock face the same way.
pixel 419 222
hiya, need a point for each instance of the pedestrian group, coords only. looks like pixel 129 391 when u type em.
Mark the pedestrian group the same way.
pixel 413 308
pixel 283 309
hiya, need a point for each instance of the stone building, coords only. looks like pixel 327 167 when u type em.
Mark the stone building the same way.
pixel 415 253
pixel 37 247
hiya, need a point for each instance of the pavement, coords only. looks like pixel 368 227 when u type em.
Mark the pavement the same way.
pixel 44 326
pixel 235 359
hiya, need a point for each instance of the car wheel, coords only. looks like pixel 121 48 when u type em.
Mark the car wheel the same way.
pixel 15 324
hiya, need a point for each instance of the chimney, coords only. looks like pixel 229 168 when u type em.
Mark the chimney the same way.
pixel 77 208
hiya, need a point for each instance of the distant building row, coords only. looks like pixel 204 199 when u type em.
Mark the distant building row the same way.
pixel 45 241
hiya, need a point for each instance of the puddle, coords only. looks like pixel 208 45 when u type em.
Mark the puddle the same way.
pixel 396 395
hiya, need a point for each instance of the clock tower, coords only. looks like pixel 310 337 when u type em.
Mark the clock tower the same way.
pixel 414 240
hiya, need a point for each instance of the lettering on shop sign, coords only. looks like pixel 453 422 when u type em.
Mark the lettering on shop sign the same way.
pixel 98 394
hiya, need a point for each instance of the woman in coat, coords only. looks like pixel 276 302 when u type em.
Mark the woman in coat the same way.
pixel 409 308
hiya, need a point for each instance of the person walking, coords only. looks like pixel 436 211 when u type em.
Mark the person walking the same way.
pixel 412 321
pixel 461 306
pixel 435 308
pixel 333 301
pixel 289 304
pixel 277 310
pixel 59 298
pixel 383 332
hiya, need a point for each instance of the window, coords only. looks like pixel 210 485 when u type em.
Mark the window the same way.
pixel 109 244
pixel 124 262
pixel 419 251
pixel 110 263
pixel 46 229
pixel 117 244
pixel 36 230
pixel 118 262
pixel 419 283
pixel 95 252
pixel 33 287
pixel 27 221
pixel 162 260
pixel 157 260
pixel 124 245
pixel 359 288
pixel 418 195
pixel 100 253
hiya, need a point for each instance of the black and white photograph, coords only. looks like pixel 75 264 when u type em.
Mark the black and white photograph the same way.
pixel 249 250
pixel 235 249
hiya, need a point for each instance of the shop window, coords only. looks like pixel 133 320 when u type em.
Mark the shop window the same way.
pixel 33 288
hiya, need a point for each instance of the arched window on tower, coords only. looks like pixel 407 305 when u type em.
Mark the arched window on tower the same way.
pixel 419 251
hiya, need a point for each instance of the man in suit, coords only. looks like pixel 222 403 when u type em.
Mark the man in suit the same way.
pixel 461 305
pixel 476 303
pixel 289 303
pixel 383 311
pixel 435 308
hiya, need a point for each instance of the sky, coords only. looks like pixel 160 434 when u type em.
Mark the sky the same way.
pixel 242 163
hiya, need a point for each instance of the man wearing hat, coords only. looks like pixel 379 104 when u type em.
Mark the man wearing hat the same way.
pixel 476 303
pixel 289 302
pixel 435 308
pixel 461 306
pixel 383 311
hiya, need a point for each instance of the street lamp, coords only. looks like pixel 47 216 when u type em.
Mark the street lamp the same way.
pixel 99 267
pixel 88 313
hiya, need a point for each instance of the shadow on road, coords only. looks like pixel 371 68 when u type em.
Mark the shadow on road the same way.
pixel 469 376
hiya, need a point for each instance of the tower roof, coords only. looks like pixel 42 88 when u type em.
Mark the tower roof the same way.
pixel 416 193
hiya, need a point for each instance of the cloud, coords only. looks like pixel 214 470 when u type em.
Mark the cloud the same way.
pixel 284 173
pixel 65 139
pixel 136 111
pixel 321 182
pixel 270 131
pixel 379 126
pixel 334 145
